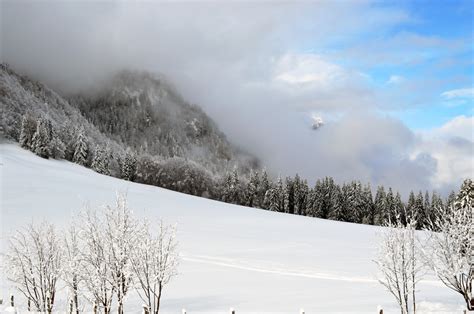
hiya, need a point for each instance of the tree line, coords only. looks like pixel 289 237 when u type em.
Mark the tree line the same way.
pixel 350 202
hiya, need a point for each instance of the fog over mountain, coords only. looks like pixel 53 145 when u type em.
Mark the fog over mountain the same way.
pixel 260 71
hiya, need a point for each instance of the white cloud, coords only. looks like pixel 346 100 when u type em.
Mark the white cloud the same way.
pixel 452 145
pixel 459 93
pixel 240 62
pixel 395 79
pixel 301 69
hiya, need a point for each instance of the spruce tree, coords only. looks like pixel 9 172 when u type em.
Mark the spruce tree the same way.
pixel 253 187
pixel 129 166
pixel 411 205
pixel 100 162
pixel 379 206
pixel 367 206
pixel 280 195
pixel 81 149
pixel 390 212
pixel 427 210
pixel 338 208
pixel 302 199
pixel 57 148
pixel 399 208
pixel 41 139
pixel 289 196
pixel 271 200
pixel 263 188
pixel 28 129
pixel 419 210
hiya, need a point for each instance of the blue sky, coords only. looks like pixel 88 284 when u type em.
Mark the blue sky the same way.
pixel 438 51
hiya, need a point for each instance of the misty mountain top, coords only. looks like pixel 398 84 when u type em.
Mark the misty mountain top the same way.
pixel 131 109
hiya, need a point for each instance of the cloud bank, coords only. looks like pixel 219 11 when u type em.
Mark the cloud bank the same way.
pixel 261 70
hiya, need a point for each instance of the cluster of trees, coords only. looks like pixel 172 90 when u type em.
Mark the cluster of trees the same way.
pixel 350 202
pixel 100 258
pixel 447 250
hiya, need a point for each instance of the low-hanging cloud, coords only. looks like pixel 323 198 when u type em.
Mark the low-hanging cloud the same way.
pixel 247 64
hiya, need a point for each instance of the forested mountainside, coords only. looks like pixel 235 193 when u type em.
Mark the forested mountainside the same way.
pixel 145 112
pixel 133 110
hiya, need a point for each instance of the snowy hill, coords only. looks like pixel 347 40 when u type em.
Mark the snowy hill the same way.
pixel 252 260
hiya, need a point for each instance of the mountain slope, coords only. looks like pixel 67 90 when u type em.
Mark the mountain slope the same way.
pixel 232 256
pixel 131 109
pixel 147 113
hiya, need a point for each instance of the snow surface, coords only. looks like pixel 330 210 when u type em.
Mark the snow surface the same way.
pixel 252 260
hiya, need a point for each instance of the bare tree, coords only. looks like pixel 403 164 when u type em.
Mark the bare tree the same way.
pixel 155 263
pixel 121 234
pixel 449 249
pixel 399 262
pixel 96 269
pixel 109 236
pixel 34 264
pixel 72 264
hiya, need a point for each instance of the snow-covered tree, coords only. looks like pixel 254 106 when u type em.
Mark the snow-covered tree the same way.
pixel 270 200
pixel 34 264
pixel 399 262
pixel 128 167
pixel 252 190
pixel 96 273
pixel 450 247
pixel 28 129
pixel 57 148
pixel 81 149
pixel 231 190
pixel 154 263
pixel 289 196
pixel 72 267
pixel 264 186
pixel 100 162
pixel 379 206
pixel 110 236
pixel 280 195
pixel 41 138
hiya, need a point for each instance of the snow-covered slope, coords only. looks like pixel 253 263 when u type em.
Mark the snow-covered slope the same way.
pixel 252 260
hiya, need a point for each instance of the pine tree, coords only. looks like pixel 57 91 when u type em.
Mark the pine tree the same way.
pixel 367 206
pixel 338 208
pixel 399 209
pixel 280 195
pixel 436 206
pixel 411 205
pixel 28 129
pixel 379 206
pixel 390 212
pixel 427 210
pixel 100 162
pixel 289 196
pixel 419 210
pixel 81 149
pixel 41 139
pixel 263 188
pixel 253 187
pixel 450 200
pixel 271 200
pixel 57 148
pixel 302 199
pixel 231 192
pixel 129 166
